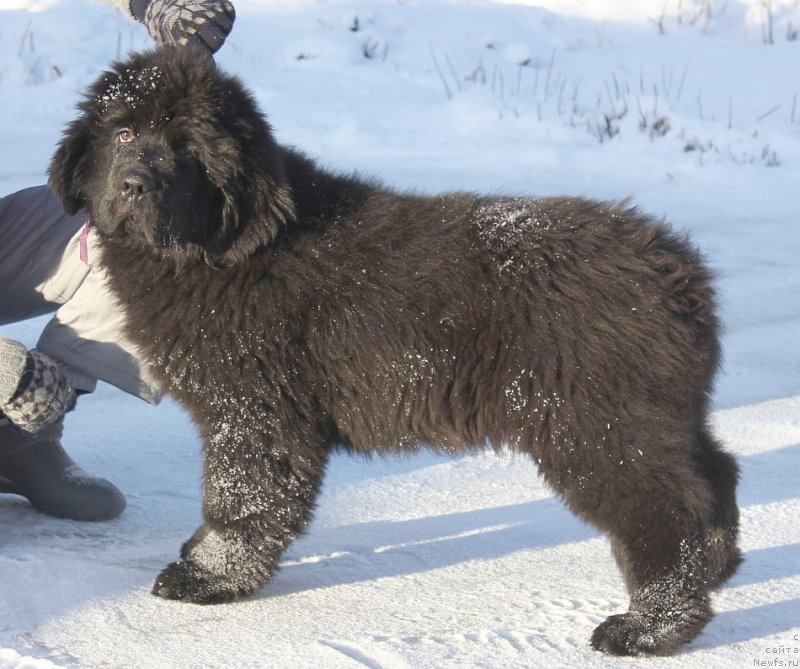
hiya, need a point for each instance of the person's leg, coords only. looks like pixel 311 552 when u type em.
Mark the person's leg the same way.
pixel 47 265
pixel 34 396
pixel 42 270
pixel 39 246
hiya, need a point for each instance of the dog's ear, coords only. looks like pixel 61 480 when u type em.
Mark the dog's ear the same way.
pixel 247 166
pixel 68 166
pixel 235 144
pixel 256 207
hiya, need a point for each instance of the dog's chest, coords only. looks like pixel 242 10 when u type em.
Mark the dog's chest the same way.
pixel 203 364
pixel 189 333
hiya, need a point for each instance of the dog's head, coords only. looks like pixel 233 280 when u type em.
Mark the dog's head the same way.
pixel 171 155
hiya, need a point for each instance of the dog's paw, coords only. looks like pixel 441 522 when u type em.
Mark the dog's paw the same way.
pixel 642 634
pixel 624 634
pixel 187 581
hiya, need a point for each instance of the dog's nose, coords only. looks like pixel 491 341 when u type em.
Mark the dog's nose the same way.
pixel 138 183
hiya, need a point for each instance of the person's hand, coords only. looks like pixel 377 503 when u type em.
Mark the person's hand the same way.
pixel 200 23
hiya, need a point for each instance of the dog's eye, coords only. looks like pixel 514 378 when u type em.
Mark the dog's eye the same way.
pixel 125 136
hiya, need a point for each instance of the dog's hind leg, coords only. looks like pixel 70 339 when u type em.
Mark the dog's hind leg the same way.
pixel 723 556
pixel 657 509
pixel 258 496
pixel 722 472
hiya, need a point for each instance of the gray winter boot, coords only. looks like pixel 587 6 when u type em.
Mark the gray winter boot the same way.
pixel 37 467
pixel 34 396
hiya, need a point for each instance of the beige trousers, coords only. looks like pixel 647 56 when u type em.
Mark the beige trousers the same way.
pixel 41 271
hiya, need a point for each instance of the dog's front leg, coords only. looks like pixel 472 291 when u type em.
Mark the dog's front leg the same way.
pixel 259 494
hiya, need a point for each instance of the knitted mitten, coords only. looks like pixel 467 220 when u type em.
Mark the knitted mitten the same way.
pixel 201 23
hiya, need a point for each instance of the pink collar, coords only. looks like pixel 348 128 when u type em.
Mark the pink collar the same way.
pixel 84 240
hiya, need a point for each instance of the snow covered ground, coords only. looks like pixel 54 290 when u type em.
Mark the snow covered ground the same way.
pixel 691 108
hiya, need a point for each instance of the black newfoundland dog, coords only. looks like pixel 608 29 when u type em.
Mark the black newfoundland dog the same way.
pixel 293 311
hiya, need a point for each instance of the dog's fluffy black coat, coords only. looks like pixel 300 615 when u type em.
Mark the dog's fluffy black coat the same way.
pixel 292 311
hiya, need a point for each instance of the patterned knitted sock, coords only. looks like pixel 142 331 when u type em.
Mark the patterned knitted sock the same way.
pixel 41 395
pixel 13 356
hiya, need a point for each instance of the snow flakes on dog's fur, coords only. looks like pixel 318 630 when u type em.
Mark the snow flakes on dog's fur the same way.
pixel 509 226
pixel 130 87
